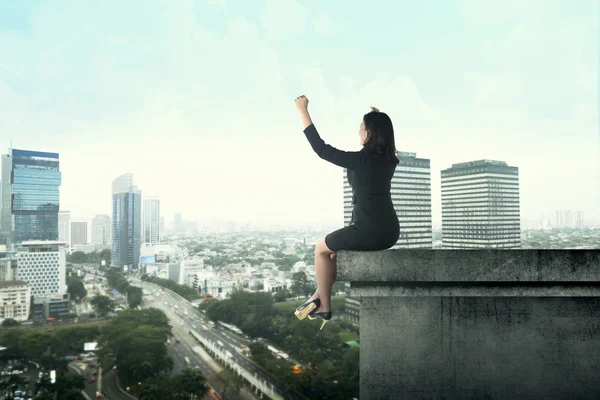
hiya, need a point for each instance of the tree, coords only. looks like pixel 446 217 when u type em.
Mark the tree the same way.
pixel 10 322
pixel 231 383
pixel 282 295
pixel 102 305
pixel 75 288
pixel 189 383
pixel 137 340
pixel 77 257
pixel 301 286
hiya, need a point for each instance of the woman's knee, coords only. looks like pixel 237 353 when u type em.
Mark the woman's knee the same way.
pixel 321 247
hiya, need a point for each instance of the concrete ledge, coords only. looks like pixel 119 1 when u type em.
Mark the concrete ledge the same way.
pixel 487 265
pixel 477 324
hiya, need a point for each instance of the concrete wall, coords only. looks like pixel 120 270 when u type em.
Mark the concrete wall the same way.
pixel 477 324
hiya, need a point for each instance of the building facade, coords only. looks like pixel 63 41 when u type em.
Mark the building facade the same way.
pixel 50 306
pixel 79 231
pixel 30 188
pixel 101 232
pixel 151 220
pixel 15 300
pixel 43 265
pixel 64 227
pixel 480 205
pixel 126 222
pixel 178 226
pixel 8 264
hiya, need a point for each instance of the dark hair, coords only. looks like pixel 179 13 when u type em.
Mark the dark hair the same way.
pixel 380 135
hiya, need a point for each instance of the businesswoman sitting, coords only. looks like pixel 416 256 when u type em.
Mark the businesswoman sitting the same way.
pixel 374 224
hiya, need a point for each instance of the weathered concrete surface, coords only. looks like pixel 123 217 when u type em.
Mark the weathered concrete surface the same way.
pixel 487 265
pixel 516 324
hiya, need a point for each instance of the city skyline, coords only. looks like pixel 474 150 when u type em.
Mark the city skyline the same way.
pixel 512 88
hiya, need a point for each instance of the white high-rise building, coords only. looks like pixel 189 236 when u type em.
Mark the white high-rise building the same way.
pixel 101 232
pixel 579 221
pixel 79 233
pixel 43 265
pixel 64 227
pixel 151 218
pixel 411 196
pixel 480 205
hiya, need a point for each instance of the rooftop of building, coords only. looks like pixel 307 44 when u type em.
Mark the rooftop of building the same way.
pixel 4 284
pixel 41 243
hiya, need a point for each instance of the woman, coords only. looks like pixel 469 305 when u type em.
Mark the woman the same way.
pixel 374 224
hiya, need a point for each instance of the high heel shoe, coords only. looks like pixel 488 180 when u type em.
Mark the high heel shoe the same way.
pixel 325 316
pixel 303 310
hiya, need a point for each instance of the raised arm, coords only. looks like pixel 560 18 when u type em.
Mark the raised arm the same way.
pixel 347 159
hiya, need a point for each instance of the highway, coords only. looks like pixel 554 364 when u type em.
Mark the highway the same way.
pixel 172 305
pixel 179 351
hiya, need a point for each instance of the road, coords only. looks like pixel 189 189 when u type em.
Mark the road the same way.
pixel 179 351
pixel 182 324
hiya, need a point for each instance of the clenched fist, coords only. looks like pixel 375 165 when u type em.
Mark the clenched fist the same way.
pixel 301 103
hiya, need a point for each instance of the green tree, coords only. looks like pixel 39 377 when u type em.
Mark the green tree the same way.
pixel 187 384
pixel 102 305
pixel 232 384
pixel 301 286
pixel 282 295
pixel 77 257
pixel 137 340
pixel 75 288
pixel 10 322
pixel 151 389
pixel 69 386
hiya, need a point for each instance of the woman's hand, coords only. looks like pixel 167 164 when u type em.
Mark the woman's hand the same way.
pixel 301 103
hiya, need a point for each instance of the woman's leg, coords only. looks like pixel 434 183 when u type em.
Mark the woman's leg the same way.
pixel 334 261
pixel 325 272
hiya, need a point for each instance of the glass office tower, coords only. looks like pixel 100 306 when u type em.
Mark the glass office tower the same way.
pixel 30 189
pixel 126 222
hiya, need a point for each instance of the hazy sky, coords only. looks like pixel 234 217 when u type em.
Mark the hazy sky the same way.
pixel 195 98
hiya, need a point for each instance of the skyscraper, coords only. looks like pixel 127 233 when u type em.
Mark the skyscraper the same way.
pixel 151 220
pixel 480 205
pixel 101 232
pixel 161 228
pixel 30 196
pixel 64 227
pixel 126 222
pixel 178 226
pixel 79 230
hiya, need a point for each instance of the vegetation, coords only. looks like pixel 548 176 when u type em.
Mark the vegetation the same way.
pixel 118 281
pixel 136 340
pixel 75 288
pixel 186 292
pixel 95 257
pixel 10 322
pixel 102 305
pixel 329 360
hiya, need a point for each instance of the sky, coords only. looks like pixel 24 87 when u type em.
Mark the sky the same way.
pixel 195 98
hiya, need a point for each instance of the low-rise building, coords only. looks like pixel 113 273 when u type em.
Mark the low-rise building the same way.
pixel 51 306
pixel 15 300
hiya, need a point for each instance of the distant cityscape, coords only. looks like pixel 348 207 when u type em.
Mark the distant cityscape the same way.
pixel 48 256
pixel 480 209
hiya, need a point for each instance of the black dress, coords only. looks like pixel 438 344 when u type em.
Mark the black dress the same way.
pixel 374 224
